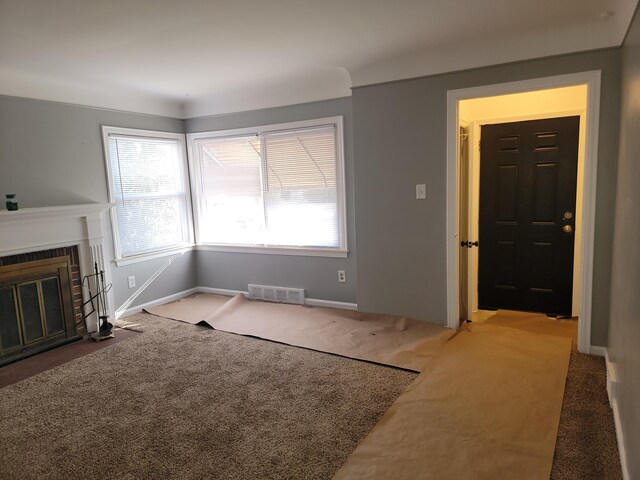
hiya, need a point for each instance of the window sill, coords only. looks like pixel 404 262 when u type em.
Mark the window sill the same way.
pixel 294 251
pixel 152 255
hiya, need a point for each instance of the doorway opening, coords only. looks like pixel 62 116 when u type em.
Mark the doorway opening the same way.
pixel 482 110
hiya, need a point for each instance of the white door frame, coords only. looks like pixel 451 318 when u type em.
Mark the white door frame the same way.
pixel 592 80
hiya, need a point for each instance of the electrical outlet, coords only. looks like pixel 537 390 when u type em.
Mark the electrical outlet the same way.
pixel 132 281
pixel 342 276
pixel 421 191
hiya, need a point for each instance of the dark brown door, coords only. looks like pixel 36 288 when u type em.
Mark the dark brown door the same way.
pixel 528 174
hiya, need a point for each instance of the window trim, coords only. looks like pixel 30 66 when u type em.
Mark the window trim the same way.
pixel 119 259
pixel 340 251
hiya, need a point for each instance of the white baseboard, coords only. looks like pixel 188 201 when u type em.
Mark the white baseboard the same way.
pixel 316 302
pixel 159 301
pixel 612 379
pixel 620 438
pixel 612 383
pixel 221 291
pixel 597 350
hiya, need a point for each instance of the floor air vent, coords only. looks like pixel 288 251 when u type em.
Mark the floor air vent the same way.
pixel 277 294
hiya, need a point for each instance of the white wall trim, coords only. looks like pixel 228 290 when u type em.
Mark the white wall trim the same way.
pixel 315 302
pixel 598 351
pixel 159 301
pixel 222 291
pixel 256 249
pixel 178 296
pixel 620 438
pixel 612 382
pixel 592 80
pixel 611 378
pixel 152 256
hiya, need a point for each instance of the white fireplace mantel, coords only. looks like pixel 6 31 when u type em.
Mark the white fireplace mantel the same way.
pixel 33 229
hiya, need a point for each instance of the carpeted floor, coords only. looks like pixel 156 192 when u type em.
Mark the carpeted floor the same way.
pixel 586 448
pixel 185 402
pixel 28 367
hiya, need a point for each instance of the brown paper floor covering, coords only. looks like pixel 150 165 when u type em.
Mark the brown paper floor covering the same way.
pixel 535 323
pixel 487 407
pixel 385 339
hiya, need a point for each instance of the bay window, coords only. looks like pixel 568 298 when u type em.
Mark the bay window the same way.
pixel 278 188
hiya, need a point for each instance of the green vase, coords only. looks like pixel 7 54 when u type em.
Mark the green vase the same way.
pixel 12 201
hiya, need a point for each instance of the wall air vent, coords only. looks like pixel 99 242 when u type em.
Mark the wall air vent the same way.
pixel 276 294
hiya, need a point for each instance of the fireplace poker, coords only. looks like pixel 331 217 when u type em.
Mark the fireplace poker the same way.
pixel 105 326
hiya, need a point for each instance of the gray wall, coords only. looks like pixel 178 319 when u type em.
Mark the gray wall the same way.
pixel 178 277
pixel 395 137
pixel 317 275
pixel 51 154
pixel 624 328
pixel 400 140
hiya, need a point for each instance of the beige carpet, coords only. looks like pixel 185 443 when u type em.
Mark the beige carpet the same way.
pixel 186 402
pixel 487 407
pixel 385 339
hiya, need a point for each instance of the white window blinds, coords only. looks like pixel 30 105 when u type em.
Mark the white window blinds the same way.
pixel 301 206
pixel 231 190
pixel 278 188
pixel 148 186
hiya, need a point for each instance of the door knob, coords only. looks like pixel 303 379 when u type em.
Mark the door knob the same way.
pixel 567 229
pixel 473 244
pixel 464 243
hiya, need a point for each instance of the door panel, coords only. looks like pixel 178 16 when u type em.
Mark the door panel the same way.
pixel 528 173
pixel 545 185
pixel 463 223
pixel 507 193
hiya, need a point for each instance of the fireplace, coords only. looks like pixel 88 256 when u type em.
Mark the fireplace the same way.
pixel 40 302
pixel 44 253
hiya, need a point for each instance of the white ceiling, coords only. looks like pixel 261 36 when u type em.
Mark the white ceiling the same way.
pixel 188 58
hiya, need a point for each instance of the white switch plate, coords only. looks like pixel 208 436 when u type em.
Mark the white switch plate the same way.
pixel 342 276
pixel 132 281
pixel 421 191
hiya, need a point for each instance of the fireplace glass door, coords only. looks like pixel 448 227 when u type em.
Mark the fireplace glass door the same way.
pixel 36 310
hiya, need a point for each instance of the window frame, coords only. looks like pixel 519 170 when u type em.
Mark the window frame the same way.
pixel 188 241
pixel 341 251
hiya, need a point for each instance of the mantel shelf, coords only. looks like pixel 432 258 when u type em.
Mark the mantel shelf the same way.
pixel 38 213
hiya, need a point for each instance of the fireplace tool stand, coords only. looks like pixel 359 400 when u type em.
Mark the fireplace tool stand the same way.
pixel 98 303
